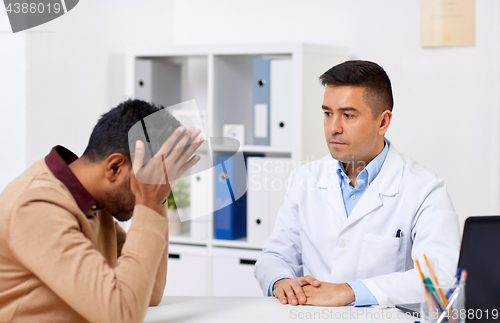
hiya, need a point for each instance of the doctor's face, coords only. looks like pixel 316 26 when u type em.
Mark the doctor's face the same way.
pixel 352 132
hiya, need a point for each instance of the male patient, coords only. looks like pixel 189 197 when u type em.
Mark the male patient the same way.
pixel 353 222
pixel 63 258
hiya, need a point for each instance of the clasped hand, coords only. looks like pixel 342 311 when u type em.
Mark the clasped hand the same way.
pixel 309 291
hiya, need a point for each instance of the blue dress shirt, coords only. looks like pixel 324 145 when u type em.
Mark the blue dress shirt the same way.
pixel 351 196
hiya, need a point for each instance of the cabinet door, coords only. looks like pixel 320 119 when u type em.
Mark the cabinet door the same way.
pixel 233 272
pixel 186 272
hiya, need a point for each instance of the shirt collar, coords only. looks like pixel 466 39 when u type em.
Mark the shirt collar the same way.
pixel 57 161
pixel 372 169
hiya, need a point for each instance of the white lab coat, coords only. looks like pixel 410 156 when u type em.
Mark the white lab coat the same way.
pixel 313 236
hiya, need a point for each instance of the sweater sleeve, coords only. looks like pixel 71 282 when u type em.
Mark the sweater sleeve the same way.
pixel 121 236
pixel 161 274
pixel 46 237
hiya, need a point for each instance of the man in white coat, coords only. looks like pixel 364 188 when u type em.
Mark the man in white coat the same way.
pixel 353 222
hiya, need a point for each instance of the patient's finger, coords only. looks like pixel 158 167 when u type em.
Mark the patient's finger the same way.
pixel 176 151
pixel 188 165
pixel 138 156
pixel 192 145
pixel 168 145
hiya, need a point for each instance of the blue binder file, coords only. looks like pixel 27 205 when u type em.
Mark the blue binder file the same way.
pixel 261 101
pixel 230 197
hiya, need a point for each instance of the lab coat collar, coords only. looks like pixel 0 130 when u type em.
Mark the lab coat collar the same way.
pixel 386 183
pixel 389 179
pixel 329 183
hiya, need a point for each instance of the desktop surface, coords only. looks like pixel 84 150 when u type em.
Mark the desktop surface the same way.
pixel 207 309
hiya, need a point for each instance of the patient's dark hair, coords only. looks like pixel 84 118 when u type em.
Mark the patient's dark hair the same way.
pixel 111 133
pixel 378 91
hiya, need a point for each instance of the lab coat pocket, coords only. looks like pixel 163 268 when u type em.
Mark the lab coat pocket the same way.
pixel 380 255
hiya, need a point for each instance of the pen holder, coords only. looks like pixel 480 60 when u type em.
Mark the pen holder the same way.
pixel 434 309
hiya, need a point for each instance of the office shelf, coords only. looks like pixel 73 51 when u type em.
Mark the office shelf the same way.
pixel 268 151
pixel 238 243
pixel 185 238
pixel 220 79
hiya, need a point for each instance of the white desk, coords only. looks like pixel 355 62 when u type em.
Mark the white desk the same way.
pixel 177 309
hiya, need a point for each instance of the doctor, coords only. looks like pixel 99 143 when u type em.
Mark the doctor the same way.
pixel 353 223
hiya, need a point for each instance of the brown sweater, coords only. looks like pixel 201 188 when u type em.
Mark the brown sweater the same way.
pixel 58 264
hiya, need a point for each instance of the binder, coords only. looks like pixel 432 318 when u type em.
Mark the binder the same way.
pixel 267 184
pixel 281 103
pixel 157 81
pixel 230 199
pixel 261 101
pixel 200 210
pixel 143 79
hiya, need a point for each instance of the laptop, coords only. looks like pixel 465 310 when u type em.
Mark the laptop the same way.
pixel 480 255
pixel 412 309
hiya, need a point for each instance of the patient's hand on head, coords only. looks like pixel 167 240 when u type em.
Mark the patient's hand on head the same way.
pixel 151 183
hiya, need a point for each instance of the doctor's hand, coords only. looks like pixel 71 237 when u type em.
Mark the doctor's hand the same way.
pixel 329 294
pixel 288 290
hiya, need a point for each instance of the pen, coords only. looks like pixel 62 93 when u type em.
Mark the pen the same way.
pixel 457 279
pixel 457 275
pixel 433 274
pixel 453 298
pixel 426 292
pixel 463 277
pixel 434 294
pixel 454 295
pixel 399 234
pixel 461 286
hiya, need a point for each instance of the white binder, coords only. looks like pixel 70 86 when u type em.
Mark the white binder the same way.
pixel 281 102
pixel 200 207
pixel 267 184
pixel 157 81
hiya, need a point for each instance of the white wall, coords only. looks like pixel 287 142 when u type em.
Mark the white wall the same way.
pixel 12 102
pixel 76 73
pixel 446 113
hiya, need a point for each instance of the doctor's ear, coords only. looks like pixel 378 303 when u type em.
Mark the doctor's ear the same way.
pixel 115 165
pixel 384 121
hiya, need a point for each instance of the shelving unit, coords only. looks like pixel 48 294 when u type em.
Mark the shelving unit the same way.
pixel 220 79
pixel 285 152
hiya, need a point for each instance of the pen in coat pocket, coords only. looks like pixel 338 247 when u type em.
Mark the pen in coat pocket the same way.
pixel 399 234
